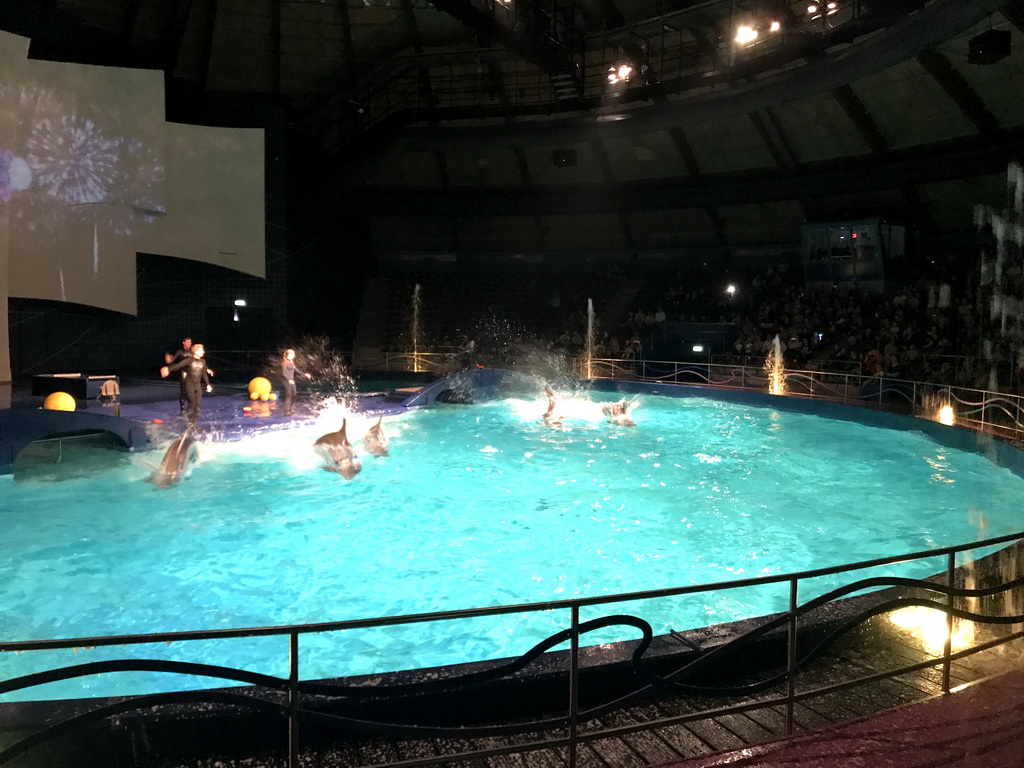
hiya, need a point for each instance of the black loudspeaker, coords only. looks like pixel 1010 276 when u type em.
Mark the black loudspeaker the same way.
pixel 989 47
pixel 563 158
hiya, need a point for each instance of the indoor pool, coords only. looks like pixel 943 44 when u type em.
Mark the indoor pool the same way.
pixel 477 505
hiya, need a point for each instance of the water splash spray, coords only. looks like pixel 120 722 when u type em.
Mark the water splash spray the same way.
pixel 775 368
pixel 1001 272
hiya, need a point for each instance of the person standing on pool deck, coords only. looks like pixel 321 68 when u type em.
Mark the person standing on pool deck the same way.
pixel 288 371
pixel 177 357
pixel 195 377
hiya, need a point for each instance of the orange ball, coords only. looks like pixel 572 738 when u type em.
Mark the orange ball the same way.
pixel 254 395
pixel 264 396
pixel 273 395
pixel 59 401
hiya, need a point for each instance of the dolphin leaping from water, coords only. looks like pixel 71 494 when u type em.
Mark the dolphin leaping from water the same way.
pixel 618 412
pixel 338 453
pixel 551 416
pixel 176 461
pixel 375 440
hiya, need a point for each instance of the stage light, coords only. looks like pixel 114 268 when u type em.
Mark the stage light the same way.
pixel 239 302
pixel 746 34
pixel 619 73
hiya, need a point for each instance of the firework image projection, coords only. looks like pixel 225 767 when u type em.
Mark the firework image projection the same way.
pixel 81 170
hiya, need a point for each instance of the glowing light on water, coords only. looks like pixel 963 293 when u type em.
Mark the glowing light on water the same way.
pixel 416 304
pixel 775 368
pixel 929 626
pixel 947 416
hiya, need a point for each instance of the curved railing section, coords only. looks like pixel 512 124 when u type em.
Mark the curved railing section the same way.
pixel 795 638
pixel 999 413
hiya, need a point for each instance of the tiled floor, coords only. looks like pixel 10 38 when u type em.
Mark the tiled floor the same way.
pixel 979 726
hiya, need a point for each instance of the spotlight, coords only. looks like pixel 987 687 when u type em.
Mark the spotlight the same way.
pixel 812 8
pixel 731 289
pixel 698 348
pixel 746 34
pixel 619 73
pixel 239 302
pixel 775 26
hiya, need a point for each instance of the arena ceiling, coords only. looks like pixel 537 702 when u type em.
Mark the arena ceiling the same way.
pixel 489 126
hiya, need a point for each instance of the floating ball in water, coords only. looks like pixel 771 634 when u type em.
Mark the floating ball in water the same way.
pixel 260 386
pixel 59 401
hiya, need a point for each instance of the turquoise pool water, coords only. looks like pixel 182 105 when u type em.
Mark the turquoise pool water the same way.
pixel 476 506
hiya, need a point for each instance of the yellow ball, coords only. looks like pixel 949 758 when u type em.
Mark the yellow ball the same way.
pixel 273 395
pixel 59 401
pixel 264 396
pixel 260 386
pixel 254 395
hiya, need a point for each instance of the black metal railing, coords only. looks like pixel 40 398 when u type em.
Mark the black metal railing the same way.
pixel 302 701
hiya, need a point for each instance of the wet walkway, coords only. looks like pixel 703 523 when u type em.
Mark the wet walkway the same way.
pixel 977 726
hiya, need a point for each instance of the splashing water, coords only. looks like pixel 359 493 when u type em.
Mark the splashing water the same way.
pixel 1000 273
pixel 332 379
pixel 775 368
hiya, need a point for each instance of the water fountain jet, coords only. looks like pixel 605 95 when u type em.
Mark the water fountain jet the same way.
pixel 416 306
pixel 775 368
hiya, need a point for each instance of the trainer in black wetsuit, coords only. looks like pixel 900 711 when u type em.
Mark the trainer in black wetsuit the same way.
pixel 195 379
pixel 288 371
pixel 181 354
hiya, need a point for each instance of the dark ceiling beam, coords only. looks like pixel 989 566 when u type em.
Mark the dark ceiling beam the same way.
pixel 174 34
pixel 958 89
pixel 274 9
pixel 858 114
pixel 540 230
pixel 424 87
pixel 693 168
pixel 958 159
pixel 206 51
pixel 348 51
pixel 128 21
pixel 866 126
pixel 771 134
pixel 609 176
pixel 1013 12
pixel 446 183
pixel 527 44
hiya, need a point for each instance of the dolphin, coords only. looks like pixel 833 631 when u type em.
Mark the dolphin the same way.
pixel 618 412
pixel 338 453
pixel 551 417
pixel 175 462
pixel 375 440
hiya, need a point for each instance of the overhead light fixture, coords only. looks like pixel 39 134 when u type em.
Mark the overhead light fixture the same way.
pixel 239 302
pixel 619 73
pixel 812 8
pixel 698 348
pixel 731 289
pixel 775 26
pixel 746 34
